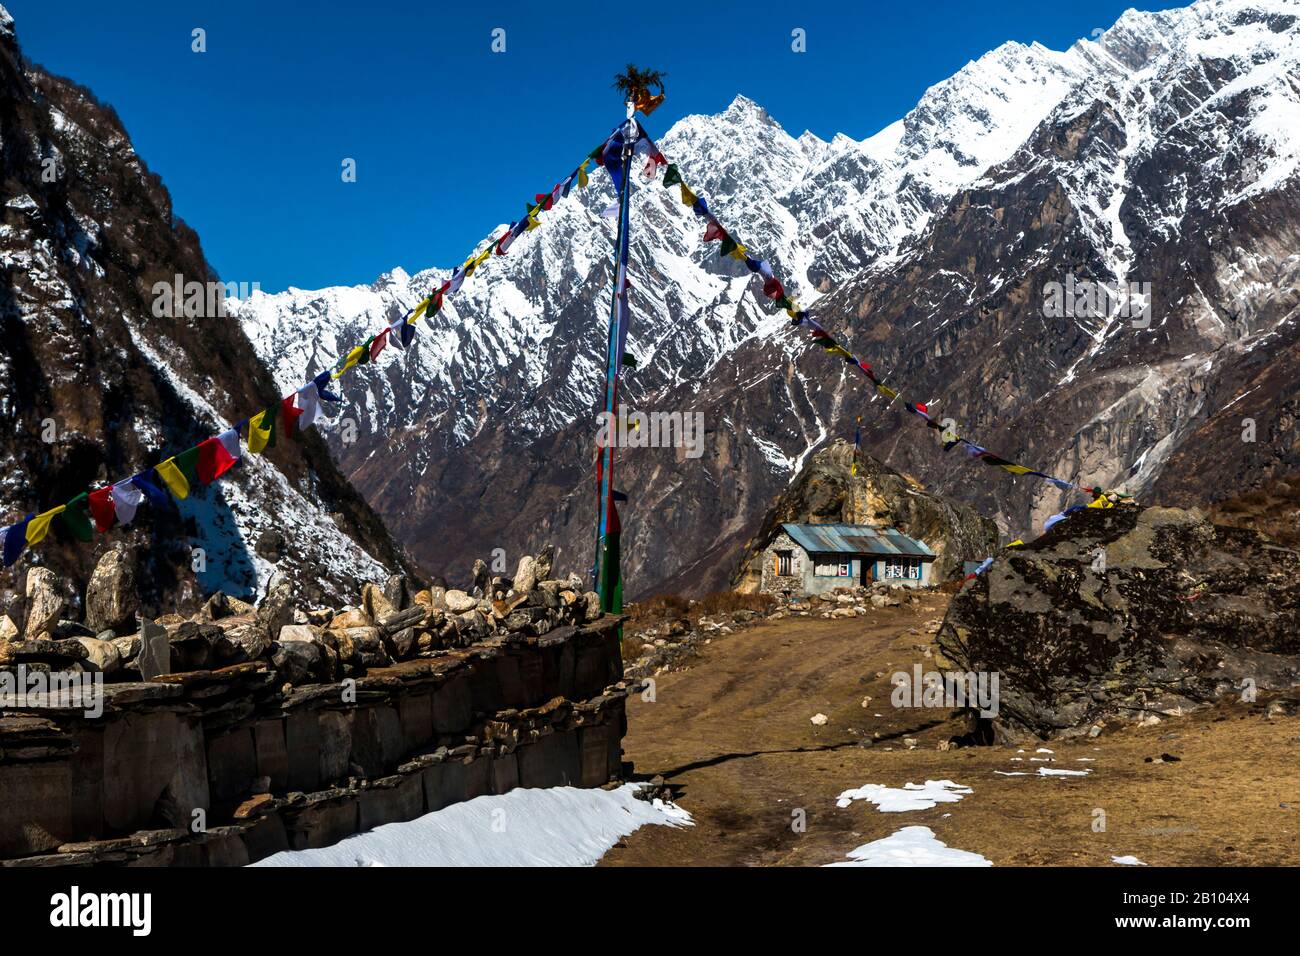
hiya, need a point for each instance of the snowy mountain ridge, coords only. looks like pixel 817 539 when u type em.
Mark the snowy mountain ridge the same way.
pixel 1132 144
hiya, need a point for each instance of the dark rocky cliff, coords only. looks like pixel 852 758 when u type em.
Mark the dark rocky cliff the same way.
pixel 97 387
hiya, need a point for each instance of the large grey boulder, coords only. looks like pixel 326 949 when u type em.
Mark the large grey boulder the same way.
pixel 1127 613
pixel 525 578
pixel 112 595
pixel 45 603
pixel 276 609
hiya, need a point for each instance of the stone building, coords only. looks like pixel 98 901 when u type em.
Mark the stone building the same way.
pixel 816 558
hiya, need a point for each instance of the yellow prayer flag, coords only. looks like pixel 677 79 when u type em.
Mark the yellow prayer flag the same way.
pixel 419 311
pixel 738 253
pixel 1102 502
pixel 353 358
pixel 532 223
pixel 174 478
pixel 258 436
pixel 39 526
pixel 1016 544
pixel 582 175
pixel 1016 469
pixel 688 197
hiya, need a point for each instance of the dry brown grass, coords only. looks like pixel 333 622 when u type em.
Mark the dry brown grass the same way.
pixel 1273 509
pixel 727 602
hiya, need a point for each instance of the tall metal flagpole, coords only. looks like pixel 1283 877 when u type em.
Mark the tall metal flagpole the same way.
pixel 609 579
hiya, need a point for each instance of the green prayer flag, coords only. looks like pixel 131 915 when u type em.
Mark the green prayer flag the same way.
pixel 728 246
pixel 188 462
pixel 76 519
pixel 671 175
pixel 629 360
pixel 271 421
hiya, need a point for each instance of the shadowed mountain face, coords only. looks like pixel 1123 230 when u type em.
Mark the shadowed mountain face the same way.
pixel 1160 160
pixel 97 386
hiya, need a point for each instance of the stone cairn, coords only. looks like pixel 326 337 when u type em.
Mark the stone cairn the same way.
pixel 392 622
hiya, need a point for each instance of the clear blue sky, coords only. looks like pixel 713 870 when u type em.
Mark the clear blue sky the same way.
pixel 451 138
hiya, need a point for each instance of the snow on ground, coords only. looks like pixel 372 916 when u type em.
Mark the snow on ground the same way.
pixel 1127 861
pixel 561 826
pixel 913 796
pixel 1043 772
pixel 911 846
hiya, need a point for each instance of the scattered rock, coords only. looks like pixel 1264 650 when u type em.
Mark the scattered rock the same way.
pixel 458 602
pixel 525 578
pixel 819 720
pixel 270 545
pixel 103 655
pixel 397 589
pixel 373 601
pixel 112 595
pixel 276 609
pixel 45 603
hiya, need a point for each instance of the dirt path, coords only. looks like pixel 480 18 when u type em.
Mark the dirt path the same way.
pixel 733 735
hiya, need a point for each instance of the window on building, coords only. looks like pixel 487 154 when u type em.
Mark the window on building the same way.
pixel 831 566
pixel 784 563
pixel 903 568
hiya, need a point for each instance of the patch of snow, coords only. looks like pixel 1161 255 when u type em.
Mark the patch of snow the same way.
pixel 560 826
pixel 1127 861
pixel 912 796
pixel 911 846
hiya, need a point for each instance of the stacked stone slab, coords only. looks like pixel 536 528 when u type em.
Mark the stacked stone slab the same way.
pixel 222 765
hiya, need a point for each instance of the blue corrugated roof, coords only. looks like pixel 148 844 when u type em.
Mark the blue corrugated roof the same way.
pixel 855 539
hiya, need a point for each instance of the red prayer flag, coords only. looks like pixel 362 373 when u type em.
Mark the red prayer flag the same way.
pixel 377 345
pixel 101 508
pixel 714 231
pixel 772 289
pixel 289 415
pixel 214 460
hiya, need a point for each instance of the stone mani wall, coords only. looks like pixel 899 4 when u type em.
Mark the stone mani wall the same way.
pixel 274 768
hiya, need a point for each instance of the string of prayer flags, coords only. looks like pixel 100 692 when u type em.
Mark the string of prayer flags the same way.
pixel 119 502
pixel 774 289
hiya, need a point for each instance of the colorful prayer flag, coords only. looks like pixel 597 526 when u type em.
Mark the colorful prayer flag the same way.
pixel 101 508
pixel 173 478
pixel 214 460
pixel 15 540
pixel 75 518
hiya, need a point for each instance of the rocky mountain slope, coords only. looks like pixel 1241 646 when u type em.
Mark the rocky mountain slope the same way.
pixel 1164 152
pixel 97 387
